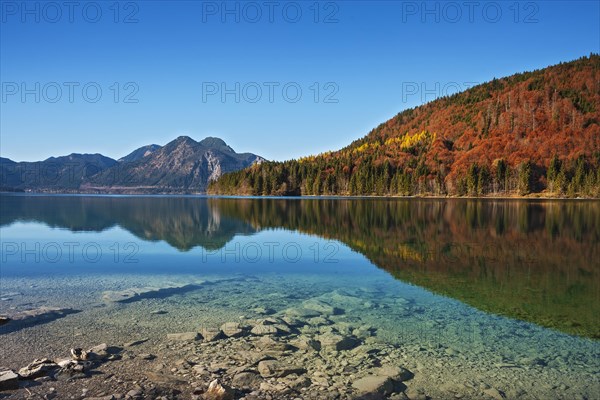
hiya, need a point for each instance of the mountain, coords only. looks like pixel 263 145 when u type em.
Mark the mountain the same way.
pixel 64 173
pixel 140 153
pixel 527 133
pixel 6 161
pixel 181 166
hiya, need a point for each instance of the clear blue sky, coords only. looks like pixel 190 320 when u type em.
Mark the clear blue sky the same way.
pixel 374 58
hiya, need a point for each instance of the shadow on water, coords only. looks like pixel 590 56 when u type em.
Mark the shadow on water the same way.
pixel 537 261
pixel 26 321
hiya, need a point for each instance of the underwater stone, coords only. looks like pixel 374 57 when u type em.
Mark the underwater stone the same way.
pixel 8 380
pixel 338 342
pixel 245 380
pixel 274 368
pixel 264 330
pixel 232 329
pixel 321 307
pixel 374 384
pixel 211 334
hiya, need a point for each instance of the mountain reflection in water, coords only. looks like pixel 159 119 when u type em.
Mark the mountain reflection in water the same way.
pixel 537 261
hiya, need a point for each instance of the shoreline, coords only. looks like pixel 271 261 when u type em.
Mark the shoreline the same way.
pixel 332 196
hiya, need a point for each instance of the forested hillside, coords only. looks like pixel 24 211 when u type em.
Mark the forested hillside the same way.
pixel 533 132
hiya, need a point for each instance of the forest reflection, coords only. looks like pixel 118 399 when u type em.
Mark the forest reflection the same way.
pixel 534 260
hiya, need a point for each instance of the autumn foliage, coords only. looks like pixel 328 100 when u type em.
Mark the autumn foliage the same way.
pixel 535 131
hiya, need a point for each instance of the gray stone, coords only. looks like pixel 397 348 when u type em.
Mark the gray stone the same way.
pixel 246 380
pixel 338 342
pixel 134 394
pixel 264 330
pixel 211 334
pixel 8 380
pixel 37 368
pixel 306 343
pixel 274 368
pixel 394 372
pixel 266 343
pixel 321 307
pixel 232 329
pixel 374 384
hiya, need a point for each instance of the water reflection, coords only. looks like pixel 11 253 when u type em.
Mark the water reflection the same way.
pixel 533 260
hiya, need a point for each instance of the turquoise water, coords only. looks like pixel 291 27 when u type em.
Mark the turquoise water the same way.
pixel 246 255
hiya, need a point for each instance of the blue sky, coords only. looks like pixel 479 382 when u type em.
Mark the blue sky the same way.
pixel 161 68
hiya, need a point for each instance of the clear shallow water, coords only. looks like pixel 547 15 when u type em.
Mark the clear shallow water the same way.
pixel 476 285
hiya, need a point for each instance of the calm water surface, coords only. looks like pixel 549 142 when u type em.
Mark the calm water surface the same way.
pixel 511 281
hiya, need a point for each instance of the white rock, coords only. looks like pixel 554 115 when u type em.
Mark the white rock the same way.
pixel 217 391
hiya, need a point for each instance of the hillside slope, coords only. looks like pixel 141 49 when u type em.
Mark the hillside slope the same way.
pixel 530 132
pixel 140 153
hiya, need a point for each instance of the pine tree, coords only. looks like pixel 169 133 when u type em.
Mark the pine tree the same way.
pixel 524 183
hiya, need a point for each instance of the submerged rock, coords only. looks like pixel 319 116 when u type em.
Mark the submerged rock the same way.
pixel 246 380
pixel 374 384
pixel 274 368
pixel 8 380
pixel 232 329
pixel 260 330
pixel 211 334
pixel 394 372
pixel 4 320
pixel 338 342
pixel 306 343
pixel 321 307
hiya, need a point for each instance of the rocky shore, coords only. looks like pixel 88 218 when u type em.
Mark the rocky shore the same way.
pixel 268 358
pixel 274 338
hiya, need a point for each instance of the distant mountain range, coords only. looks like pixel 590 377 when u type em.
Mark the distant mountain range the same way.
pixel 181 166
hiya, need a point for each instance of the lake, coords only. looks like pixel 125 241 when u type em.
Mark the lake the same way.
pixel 476 298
